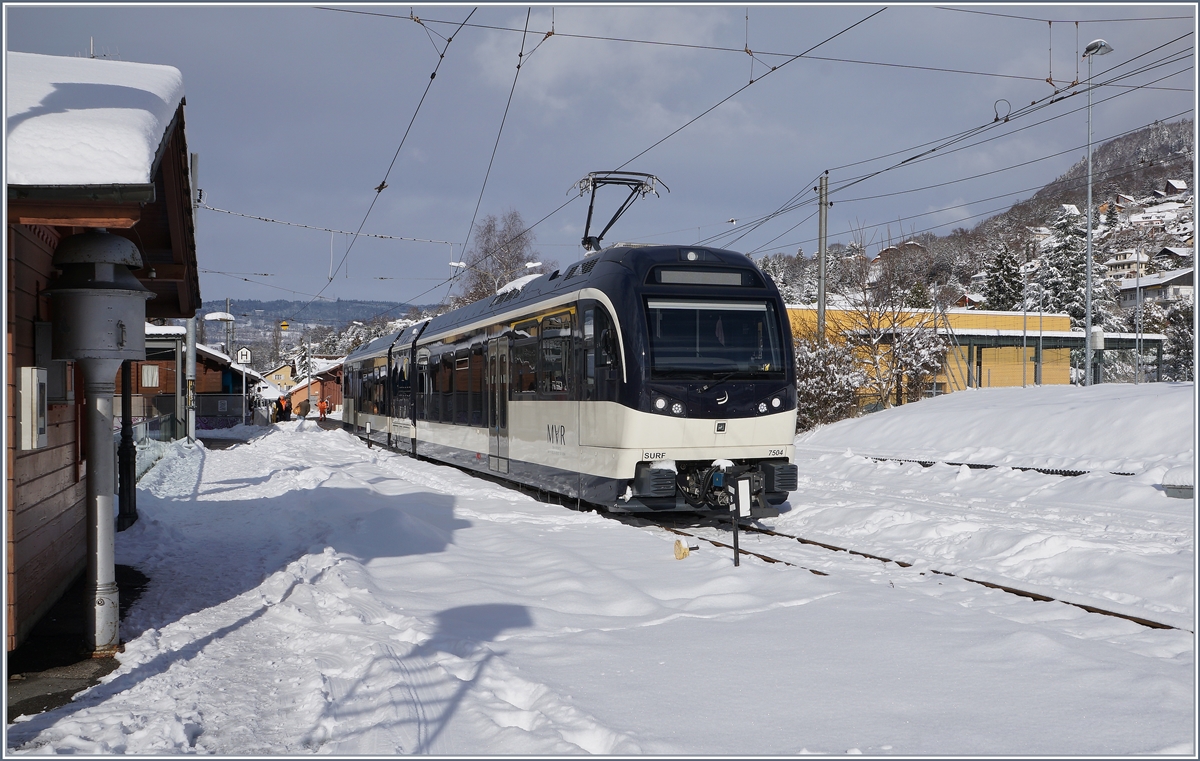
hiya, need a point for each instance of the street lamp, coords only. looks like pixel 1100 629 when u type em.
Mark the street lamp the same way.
pixel 228 319
pixel 1094 48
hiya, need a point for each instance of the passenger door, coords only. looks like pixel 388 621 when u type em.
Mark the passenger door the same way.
pixel 498 380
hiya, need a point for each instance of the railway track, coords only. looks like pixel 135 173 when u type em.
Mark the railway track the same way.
pixel 642 520
pixel 751 529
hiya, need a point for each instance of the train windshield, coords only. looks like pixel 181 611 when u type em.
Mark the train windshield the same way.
pixel 706 339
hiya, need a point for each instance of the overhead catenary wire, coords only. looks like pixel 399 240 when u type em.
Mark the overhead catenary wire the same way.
pixel 496 144
pixel 735 93
pixel 1110 174
pixel 712 48
pixel 322 229
pixel 383 184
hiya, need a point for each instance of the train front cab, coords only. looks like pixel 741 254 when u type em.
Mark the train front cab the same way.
pixel 706 393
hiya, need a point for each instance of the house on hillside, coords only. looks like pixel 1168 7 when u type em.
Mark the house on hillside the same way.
pixel 1172 257
pixel 1175 187
pixel 91 143
pixel 1127 263
pixel 1161 288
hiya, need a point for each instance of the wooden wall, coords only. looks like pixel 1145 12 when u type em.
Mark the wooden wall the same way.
pixel 45 489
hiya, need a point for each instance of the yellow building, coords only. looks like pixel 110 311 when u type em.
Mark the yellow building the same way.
pixel 985 348
pixel 281 376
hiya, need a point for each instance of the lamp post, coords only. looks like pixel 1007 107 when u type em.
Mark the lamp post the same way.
pixel 227 318
pixel 1094 48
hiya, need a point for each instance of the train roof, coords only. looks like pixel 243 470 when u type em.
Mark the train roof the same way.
pixel 632 258
pixel 624 258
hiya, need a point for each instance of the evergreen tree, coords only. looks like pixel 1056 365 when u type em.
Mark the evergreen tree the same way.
pixel 787 272
pixel 1179 358
pixel 1110 216
pixel 1003 288
pixel 918 297
pixel 1062 270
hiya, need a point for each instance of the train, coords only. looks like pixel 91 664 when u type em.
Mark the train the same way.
pixel 642 378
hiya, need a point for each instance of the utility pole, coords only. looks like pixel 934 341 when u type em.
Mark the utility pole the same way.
pixel 822 232
pixel 190 375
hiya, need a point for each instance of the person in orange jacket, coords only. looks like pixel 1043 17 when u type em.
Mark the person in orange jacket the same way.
pixel 323 407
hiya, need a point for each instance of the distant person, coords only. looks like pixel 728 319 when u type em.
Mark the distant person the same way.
pixel 277 411
pixel 322 408
pixel 286 413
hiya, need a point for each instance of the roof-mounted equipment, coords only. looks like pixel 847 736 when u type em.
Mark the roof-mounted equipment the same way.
pixel 639 184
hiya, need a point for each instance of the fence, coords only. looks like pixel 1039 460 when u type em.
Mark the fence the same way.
pixel 216 411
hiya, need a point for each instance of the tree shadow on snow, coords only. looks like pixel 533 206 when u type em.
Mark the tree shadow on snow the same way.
pixel 421 695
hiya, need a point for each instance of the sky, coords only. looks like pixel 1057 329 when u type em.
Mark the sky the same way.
pixel 308 594
pixel 299 112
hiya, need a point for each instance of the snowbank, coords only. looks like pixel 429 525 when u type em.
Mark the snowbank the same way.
pixel 1109 427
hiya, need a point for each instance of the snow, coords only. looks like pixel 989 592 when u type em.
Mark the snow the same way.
pixel 310 595
pixel 85 121
pixel 518 284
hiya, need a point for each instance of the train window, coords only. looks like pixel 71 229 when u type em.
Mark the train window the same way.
pixel 527 329
pixel 422 394
pixel 447 395
pixel 600 344
pixel 475 387
pixel 491 415
pixel 706 339
pixel 434 397
pixel 555 356
pixel 524 366
pixel 502 417
pixel 462 370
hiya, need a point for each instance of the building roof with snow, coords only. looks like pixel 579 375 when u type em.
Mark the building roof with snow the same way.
pixel 87 121
pixel 1171 277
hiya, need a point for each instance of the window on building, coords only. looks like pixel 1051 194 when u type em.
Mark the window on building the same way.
pixel 150 376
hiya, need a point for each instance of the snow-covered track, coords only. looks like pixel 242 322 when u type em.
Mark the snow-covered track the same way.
pixel 1066 472
pixel 991 585
pixel 643 520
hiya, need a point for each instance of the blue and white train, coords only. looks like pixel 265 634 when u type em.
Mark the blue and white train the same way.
pixel 642 378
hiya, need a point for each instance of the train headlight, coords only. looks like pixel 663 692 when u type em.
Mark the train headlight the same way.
pixel 771 404
pixel 668 406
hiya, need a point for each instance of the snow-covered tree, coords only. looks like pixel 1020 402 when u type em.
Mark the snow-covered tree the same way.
pixel 1062 270
pixel 827 381
pixel 1179 358
pixel 788 274
pixel 1003 287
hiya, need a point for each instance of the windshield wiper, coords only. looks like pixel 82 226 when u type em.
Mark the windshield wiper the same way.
pixel 718 381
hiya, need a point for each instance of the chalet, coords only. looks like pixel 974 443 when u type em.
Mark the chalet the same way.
pixel 1128 263
pixel 91 143
pixel 1162 288
pixel 1175 187
pixel 1172 257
